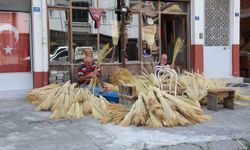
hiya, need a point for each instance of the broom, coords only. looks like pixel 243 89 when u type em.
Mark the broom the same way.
pixel 177 48
pixel 102 55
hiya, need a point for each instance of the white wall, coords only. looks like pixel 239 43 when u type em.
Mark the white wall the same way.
pixel 16 81
pixel 197 26
pixel 235 22
pixel 40 42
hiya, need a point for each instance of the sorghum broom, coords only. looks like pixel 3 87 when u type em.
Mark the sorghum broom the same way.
pixel 177 48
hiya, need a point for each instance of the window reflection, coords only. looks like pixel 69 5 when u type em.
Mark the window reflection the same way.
pixel 58 28
pixel 132 37
pixel 109 34
pixel 145 19
pixel 84 35
pixel 57 2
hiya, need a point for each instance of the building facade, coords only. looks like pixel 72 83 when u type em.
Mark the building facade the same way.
pixel 38 36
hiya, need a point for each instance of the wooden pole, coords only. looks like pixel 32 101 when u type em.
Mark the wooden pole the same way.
pixel 123 33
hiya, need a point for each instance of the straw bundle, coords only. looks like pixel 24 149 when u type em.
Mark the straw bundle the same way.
pixel 121 75
pixel 115 31
pixel 101 56
pixel 75 111
pixel 36 96
pixel 149 34
pixel 98 106
pixel 177 48
pixel 117 112
pixel 71 102
pixel 155 109
pixel 197 85
pixel 242 97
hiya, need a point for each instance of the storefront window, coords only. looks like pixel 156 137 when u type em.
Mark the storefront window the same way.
pixel 14 42
pixel 132 38
pixel 58 29
pixel 84 36
pixel 150 36
pixel 57 2
pixel 109 34
pixel 82 3
pixel 151 28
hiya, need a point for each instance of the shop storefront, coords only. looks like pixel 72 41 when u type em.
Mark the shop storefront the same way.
pixel 149 28
pixel 15 45
pixel 43 42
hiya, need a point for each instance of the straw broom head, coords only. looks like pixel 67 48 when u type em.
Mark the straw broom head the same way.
pixel 177 48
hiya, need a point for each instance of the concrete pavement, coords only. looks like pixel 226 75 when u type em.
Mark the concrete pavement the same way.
pixel 22 128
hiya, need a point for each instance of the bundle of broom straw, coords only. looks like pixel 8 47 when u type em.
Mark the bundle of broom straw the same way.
pixel 120 76
pixel 37 96
pixel 177 48
pixel 156 109
pixel 101 56
pixel 197 85
pixel 65 101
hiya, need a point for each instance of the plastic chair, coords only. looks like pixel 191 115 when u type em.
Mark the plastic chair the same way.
pixel 147 58
pixel 160 70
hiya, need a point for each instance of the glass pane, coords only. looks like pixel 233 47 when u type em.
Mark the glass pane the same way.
pixel 14 42
pixel 133 35
pixel 109 33
pixel 57 2
pixel 180 33
pixel 58 31
pixel 150 37
pixel 110 4
pixel 83 3
pixel 84 35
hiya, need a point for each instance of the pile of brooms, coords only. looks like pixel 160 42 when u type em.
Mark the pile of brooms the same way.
pixel 154 108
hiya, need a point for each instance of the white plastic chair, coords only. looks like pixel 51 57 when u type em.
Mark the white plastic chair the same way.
pixel 159 70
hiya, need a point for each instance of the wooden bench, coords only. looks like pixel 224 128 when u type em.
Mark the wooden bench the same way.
pixel 226 96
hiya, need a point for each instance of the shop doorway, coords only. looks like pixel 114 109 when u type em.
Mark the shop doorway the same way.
pixel 173 27
pixel 245 40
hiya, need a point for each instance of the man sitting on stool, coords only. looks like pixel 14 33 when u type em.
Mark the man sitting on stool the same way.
pixel 86 71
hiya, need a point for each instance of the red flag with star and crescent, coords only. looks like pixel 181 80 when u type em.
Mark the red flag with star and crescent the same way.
pixel 14 42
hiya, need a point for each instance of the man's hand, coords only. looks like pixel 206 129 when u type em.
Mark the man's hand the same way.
pixel 91 75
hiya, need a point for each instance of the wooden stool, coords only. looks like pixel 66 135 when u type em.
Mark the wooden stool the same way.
pixel 214 96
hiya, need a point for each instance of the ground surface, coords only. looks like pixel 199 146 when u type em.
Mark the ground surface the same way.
pixel 22 128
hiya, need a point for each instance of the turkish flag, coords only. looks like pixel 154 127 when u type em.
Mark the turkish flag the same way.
pixel 14 42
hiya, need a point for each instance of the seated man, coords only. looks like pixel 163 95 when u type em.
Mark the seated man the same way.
pixel 86 71
pixel 163 60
